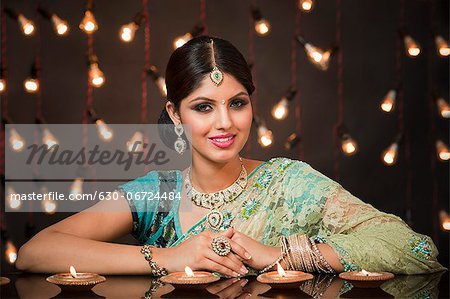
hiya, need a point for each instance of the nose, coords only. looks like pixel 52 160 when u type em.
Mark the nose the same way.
pixel 223 118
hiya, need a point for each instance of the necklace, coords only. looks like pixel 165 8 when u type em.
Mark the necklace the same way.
pixel 213 201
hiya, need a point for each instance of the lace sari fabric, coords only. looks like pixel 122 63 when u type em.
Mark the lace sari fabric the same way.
pixel 285 197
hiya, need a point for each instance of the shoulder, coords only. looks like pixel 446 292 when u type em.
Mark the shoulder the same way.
pixel 152 178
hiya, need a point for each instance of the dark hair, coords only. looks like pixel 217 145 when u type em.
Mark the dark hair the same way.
pixel 187 67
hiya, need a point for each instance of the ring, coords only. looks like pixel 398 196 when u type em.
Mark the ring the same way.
pixel 221 246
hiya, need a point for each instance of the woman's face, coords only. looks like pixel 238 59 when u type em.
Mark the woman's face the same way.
pixel 220 118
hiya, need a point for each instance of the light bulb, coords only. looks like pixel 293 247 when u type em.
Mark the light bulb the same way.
pixel 96 76
pixel 136 142
pixel 318 57
pixel 445 220
pixel 10 252
pixel 305 5
pixel 442 46
pixel 265 136
pixel 61 27
pixel 161 83
pixel 48 205
pixel 412 48
pixel 262 27
pixel 89 24
pixel 388 103
pixel 16 142
pixel 13 201
pixel 181 40
pixel 442 151
pixel 26 25
pixel 49 139
pixel 2 85
pixel 389 156
pixel 127 32
pixel 77 187
pixel 444 108
pixel 104 131
pixel 292 140
pixel 31 85
pixel 281 110
pixel 349 145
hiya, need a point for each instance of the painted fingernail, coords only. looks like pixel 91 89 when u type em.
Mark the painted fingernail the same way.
pixel 244 282
pixel 247 255
pixel 244 270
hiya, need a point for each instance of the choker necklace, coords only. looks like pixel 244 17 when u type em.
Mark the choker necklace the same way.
pixel 213 201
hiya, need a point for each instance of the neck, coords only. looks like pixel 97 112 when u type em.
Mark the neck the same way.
pixel 208 176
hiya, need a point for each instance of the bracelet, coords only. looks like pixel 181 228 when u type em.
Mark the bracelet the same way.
pixel 156 270
pixel 268 267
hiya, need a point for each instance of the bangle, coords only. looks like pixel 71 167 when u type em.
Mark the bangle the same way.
pixel 268 267
pixel 156 270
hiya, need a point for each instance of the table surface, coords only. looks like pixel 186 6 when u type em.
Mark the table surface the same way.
pixel 435 285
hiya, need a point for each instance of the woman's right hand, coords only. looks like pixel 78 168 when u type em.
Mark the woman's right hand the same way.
pixel 196 252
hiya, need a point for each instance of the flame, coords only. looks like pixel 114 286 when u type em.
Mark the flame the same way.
pixel 280 270
pixel 73 272
pixel 189 271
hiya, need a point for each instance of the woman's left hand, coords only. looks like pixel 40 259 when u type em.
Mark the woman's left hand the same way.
pixel 262 255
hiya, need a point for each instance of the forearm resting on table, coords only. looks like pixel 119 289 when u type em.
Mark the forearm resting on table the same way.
pixel 55 252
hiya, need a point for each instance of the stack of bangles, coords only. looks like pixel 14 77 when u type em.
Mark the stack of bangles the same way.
pixel 300 253
pixel 156 270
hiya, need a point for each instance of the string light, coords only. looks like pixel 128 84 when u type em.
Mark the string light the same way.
pixel 136 142
pixel 16 141
pixel 319 57
pixel 181 40
pixel 128 31
pixel 2 85
pixel 305 5
pixel 10 252
pixel 262 26
pixel 77 187
pixel 411 46
pixel 281 109
pixel 49 139
pixel 104 131
pixel 88 24
pixel 388 103
pixel 31 84
pixel 442 46
pixel 348 145
pixel 291 141
pixel 159 80
pixel 443 107
pixel 445 220
pixel 60 26
pixel 265 136
pixel 13 202
pixel 442 151
pixel 389 156
pixel 96 76
pixel 49 206
pixel 26 25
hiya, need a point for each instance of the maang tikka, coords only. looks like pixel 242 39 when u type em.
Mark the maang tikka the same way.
pixel 216 75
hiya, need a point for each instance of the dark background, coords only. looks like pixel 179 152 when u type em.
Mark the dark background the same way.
pixel 369 35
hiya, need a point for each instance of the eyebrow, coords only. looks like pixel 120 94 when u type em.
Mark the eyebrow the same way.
pixel 211 100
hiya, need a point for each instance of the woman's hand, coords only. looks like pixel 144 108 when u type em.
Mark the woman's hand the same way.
pixel 196 252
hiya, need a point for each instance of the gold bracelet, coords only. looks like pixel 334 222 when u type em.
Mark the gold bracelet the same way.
pixel 156 270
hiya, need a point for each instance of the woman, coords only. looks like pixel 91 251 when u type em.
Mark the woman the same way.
pixel 242 214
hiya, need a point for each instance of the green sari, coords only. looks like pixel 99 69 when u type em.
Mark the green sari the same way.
pixel 285 197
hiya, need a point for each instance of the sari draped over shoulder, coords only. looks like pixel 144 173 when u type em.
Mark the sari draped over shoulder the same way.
pixel 285 197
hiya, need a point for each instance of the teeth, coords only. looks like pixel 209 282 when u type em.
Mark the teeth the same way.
pixel 223 139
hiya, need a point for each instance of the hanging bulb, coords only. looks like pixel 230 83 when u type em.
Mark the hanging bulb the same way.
pixel 61 27
pixel 292 141
pixel 13 202
pixel 442 151
pixel 318 57
pixel 2 85
pixel 349 145
pixel 265 136
pixel 10 252
pixel 136 143
pixel 31 85
pixel 305 5
pixel 104 131
pixel 127 32
pixel 26 25
pixel 158 79
pixel 48 205
pixel 445 220
pixel 281 109
pixel 262 27
pixel 412 48
pixel 49 139
pixel 390 155
pixel 88 24
pixel 96 76
pixel 442 46
pixel 444 108
pixel 179 41
pixel 77 187
pixel 388 103
pixel 16 142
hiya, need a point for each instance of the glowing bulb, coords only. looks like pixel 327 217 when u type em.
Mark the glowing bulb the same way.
pixel 61 26
pixel 136 143
pixel 442 46
pixel 89 24
pixel 181 40
pixel 127 32
pixel 412 48
pixel 104 131
pixel 31 85
pixel 318 57
pixel 444 108
pixel 291 141
pixel 10 252
pixel 2 85
pixel 13 201
pixel 48 205
pixel 161 83
pixel 390 155
pixel 349 145
pixel 445 220
pixel 388 103
pixel 305 5
pixel 442 151
pixel 280 110
pixel 16 142
pixel 265 136
pixel 96 76
pixel 49 139
pixel 77 187
pixel 26 25
pixel 262 27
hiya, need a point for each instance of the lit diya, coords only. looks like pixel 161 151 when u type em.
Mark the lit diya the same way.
pixel 366 279
pixel 284 279
pixel 76 281
pixel 189 278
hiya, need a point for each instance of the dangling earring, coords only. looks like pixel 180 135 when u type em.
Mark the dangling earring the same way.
pixel 180 143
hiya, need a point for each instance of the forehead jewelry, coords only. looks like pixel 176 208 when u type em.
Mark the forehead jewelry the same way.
pixel 216 75
pixel 222 102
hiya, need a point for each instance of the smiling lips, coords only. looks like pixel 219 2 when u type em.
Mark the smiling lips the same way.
pixel 223 141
